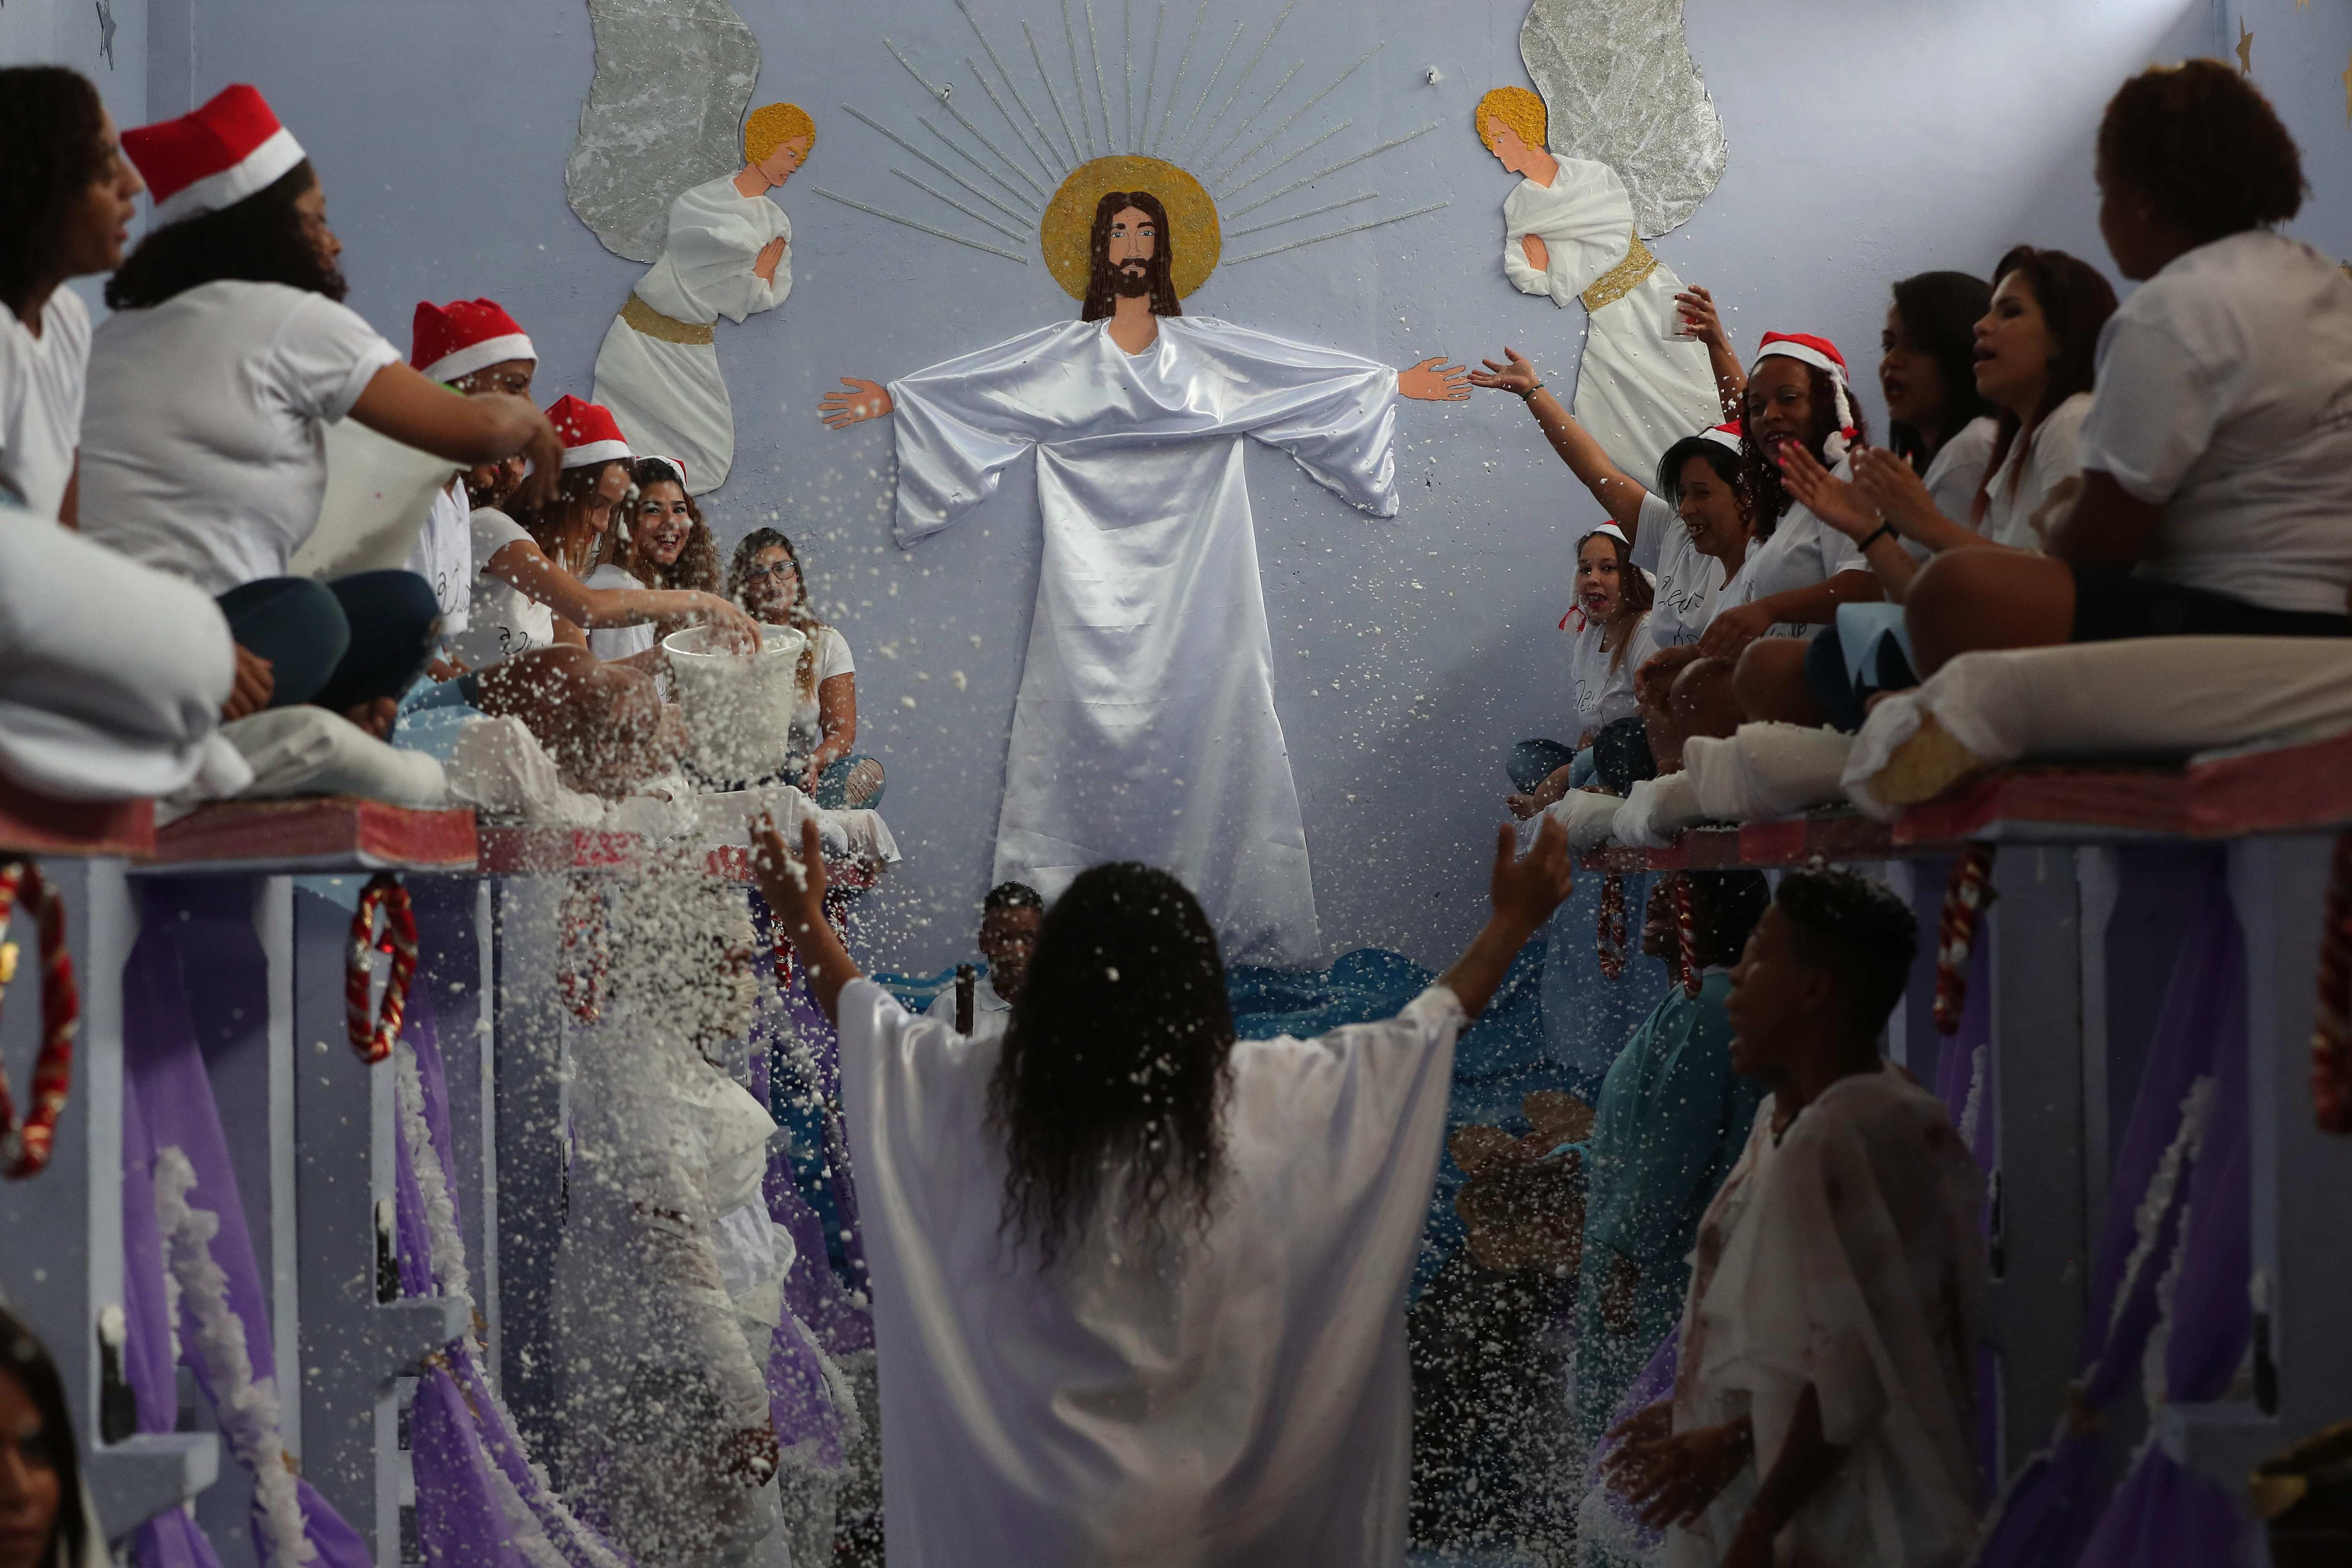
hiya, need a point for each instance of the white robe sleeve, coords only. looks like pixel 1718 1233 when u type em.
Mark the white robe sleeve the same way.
pixel 715 237
pixel 1334 412
pixel 961 423
pixel 1585 219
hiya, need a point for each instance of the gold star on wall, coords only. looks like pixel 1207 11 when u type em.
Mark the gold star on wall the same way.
pixel 2245 50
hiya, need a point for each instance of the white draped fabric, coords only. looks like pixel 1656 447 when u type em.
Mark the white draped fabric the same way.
pixel 1243 1402
pixel 1642 386
pixel 670 1281
pixel 1845 1253
pixel 1145 727
pixel 669 397
pixel 111 672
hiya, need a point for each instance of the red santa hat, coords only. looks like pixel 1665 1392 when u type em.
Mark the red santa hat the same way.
pixel 1723 434
pixel 589 431
pixel 453 341
pixel 1821 354
pixel 213 157
pixel 674 465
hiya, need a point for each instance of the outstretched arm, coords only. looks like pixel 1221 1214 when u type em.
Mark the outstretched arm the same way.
pixel 488 427
pixel 1611 485
pixel 1701 320
pixel 1524 890
pixel 794 889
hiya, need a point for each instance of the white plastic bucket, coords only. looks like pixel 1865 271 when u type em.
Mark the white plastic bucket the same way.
pixel 739 707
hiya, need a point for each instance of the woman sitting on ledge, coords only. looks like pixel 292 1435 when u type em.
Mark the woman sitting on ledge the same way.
pixel 2217 453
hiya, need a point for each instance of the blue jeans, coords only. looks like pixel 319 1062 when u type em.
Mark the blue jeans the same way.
pixel 1532 762
pixel 336 644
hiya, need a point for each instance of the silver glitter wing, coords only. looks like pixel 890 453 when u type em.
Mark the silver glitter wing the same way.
pixel 665 112
pixel 1620 87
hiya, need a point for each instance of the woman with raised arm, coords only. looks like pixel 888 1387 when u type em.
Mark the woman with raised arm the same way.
pixel 1140 1286
pixel 663 544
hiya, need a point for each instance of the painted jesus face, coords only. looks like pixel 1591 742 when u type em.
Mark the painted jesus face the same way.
pixel 1134 240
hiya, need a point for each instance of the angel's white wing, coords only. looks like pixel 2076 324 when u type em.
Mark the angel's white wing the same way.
pixel 1620 87
pixel 664 112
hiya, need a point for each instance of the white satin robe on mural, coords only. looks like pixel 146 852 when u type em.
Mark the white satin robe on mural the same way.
pixel 1145 727
pixel 1642 386
pixel 1242 1404
pixel 669 398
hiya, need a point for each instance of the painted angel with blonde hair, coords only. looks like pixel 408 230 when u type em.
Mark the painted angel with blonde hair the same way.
pixel 727 253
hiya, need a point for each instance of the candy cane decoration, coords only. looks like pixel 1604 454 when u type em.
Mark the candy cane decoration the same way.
pixel 26 1149
pixel 1610 943
pixel 1965 898
pixel 583 975
pixel 371 1033
pixel 2331 1034
pixel 1686 937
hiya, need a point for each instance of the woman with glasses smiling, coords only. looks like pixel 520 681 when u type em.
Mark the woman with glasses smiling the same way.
pixel 766 579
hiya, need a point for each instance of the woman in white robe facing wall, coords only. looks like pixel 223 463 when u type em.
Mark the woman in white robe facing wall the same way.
pixel 1568 234
pixel 1139 1288
pixel 728 254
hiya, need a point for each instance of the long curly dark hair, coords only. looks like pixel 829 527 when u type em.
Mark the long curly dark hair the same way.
pixel 1102 278
pixel 261 239
pixel 51 151
pixel 697 566
pixel 1116 1065
pixel 1766 499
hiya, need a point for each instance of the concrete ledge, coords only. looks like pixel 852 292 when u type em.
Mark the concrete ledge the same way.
pixel 135 1479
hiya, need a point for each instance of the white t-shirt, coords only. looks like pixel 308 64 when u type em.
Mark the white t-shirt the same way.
pixel 1954 473
pixel 2031 471
pixel 1802 552
pixel 41 385
pixel 831 659
pixel 206 452
pixel 1688 580
pixel 444 556
pixel 617 642
pixel 2225 395
pixel 1604 695
pixel 989 1012
pixel 501 622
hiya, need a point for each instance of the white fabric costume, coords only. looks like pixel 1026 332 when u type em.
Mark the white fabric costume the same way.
pixel 1243 1402
pixel 658 370
pixel 1843 1254
pixel 669 1278
pixel 112 673
pixel 1642 386
pixel 1145 728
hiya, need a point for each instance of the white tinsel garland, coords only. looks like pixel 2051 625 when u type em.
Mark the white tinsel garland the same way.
pixel 2147 1219
pixel 247 1406
pixel 447 1247
pixel 1973 1106
pixel 446 1254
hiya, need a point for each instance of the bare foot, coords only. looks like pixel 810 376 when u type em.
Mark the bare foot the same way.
pixel 375 718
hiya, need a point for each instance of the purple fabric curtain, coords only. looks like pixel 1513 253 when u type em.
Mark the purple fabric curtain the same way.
pixel 2051 1508
pixel 840 1320
pixel 1654 1382
pixel 170 1539
pixel 168 1102
pixel 1956 1076
pixel 464 1451
pixel 2165 1513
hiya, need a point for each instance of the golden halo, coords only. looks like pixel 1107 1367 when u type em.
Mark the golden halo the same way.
pixel 1069 221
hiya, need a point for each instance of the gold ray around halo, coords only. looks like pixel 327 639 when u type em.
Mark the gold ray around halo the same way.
pixel 1069 220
